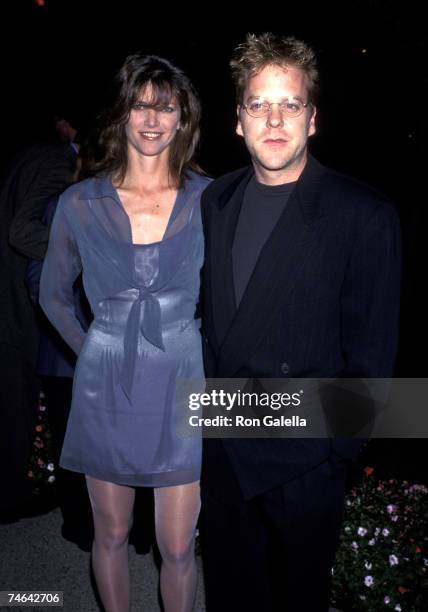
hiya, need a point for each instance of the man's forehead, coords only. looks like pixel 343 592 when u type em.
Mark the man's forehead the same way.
pixel 277 76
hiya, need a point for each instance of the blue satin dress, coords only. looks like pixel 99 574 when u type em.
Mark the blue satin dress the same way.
pixel 122 425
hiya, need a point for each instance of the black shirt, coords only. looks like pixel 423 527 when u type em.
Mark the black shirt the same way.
pixel 260 211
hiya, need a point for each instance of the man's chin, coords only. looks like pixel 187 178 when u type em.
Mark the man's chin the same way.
pixel 273 165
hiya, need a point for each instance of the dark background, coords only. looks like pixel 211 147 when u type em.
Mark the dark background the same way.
pixel 372 117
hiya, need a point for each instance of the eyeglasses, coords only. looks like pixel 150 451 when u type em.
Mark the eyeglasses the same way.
pixel 259 107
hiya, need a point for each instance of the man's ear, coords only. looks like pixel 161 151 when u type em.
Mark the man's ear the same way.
pixel 312 123
pixel 239 130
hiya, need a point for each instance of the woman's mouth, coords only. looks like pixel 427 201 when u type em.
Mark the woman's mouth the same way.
pixel 151 135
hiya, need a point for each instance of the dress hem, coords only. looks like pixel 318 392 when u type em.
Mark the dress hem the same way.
pixel 159 479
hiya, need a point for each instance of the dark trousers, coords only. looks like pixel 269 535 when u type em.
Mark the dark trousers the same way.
pixel 71 488
pixel 275 551
pixel 19 394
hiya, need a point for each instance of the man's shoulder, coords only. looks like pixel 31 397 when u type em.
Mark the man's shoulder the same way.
pixel 221 184
pixel 345 200
pixel 352 193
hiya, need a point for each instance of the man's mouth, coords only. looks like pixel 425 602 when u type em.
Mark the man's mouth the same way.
pixel 275 141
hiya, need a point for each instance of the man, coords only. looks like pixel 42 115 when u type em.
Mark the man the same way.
pixel 301 280
pixel 44 171
pixel 41 172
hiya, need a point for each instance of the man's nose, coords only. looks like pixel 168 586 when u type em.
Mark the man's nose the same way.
pixel 274 116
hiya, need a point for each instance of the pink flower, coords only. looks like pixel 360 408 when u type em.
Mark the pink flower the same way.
pixel 391 509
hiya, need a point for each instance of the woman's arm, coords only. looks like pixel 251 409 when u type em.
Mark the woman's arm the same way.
pixel 61 267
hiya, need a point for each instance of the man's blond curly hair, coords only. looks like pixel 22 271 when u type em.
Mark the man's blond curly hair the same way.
pixel 257 52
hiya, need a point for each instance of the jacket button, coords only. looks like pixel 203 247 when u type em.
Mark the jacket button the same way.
pixel 285 368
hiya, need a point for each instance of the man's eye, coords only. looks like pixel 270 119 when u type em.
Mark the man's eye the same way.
pixel 256 106
pixel 292 107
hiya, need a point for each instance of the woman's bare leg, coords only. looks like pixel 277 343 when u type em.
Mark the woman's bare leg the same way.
pixel 112 506
pixel 176 514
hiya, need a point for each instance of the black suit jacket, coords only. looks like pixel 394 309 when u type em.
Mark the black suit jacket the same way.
pixel 322 302
pixel 43 172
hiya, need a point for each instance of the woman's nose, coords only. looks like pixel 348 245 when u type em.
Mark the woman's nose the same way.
pixel 151 117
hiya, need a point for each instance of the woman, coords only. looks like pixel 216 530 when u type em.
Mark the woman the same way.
pixel 135 230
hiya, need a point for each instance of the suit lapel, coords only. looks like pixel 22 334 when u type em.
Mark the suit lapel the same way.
pixel 223 291
pixel 279 265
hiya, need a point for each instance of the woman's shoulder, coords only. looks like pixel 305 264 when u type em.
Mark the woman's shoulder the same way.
pixel 197 181
pixel 88 189
pixel 73 202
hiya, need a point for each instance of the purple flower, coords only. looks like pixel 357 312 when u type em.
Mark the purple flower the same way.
pixel 393 560
pixel 394 518
pixel 369 581
pixel 385 532
pixel 377 531
pixel 372 542
pixel 354 546
pixel 398 608
pixel 362 531
pixel 386 600
pixel 391 508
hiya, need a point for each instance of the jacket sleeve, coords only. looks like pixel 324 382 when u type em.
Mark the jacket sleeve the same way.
pixel 61 267
pixel 370 301
pixel 370 315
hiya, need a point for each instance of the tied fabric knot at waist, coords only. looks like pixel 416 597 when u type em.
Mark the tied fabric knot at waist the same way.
pixel 150 327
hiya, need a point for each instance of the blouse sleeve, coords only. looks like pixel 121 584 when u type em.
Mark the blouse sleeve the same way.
pixel 62 265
